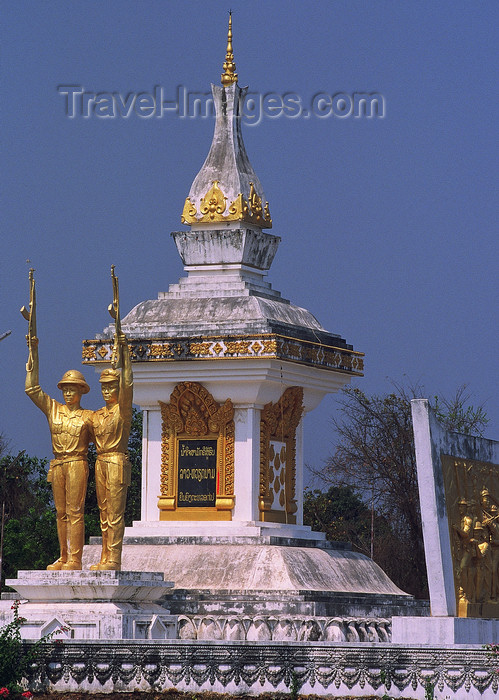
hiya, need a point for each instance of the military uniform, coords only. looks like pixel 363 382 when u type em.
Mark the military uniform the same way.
pixel 110 432
pixel 68 473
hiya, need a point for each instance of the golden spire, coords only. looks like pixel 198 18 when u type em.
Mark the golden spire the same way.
pixel 229 75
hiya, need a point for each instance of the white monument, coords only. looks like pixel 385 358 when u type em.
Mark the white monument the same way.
pixel 224 370
pixel 222 359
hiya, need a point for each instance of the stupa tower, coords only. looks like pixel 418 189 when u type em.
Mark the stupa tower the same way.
pixel 224 367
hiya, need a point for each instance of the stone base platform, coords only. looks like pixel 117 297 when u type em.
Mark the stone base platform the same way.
pixel 92 605
pixel 249 530
pixel 279 589
pixel 444 630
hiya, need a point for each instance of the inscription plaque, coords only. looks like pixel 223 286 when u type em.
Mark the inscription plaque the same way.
pixel 197 473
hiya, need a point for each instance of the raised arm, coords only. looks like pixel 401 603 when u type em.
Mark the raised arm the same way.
pixel 126 382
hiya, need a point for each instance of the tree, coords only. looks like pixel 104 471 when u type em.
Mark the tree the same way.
pixel 341 514
pixel 30 537
pixel 376 449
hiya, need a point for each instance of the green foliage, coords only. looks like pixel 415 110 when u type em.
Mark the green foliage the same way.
pixel 294 686
pixel 23 484
pixel 15 656
pixel 132 510
pixel 30 538
pixel 456 416
pixel 11 653
pixel 30 541
pixel 342 515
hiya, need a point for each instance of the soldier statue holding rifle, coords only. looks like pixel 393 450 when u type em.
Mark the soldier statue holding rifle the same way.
pixel 70 431
pixel 110 432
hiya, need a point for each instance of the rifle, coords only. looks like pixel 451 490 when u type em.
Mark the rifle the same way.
pixel 30 316
pixel 114 310
pixel 489 518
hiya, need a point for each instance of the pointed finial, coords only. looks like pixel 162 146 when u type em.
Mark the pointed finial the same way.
pixel 229 75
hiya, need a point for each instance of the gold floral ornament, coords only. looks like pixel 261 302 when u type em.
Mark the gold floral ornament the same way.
pixel 214 204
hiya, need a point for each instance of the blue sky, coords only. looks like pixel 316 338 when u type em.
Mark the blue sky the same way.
pixel 387 224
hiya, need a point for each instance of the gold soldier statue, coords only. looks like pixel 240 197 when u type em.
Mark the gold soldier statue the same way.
pixel 70 430
pixel 111 430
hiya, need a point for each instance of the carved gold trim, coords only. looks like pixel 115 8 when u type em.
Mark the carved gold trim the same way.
pixel 263 346
pixel 279 421
pixel 193 412
pixel 239 210
pixel 255 203
pixel 189 211
pixel 214 205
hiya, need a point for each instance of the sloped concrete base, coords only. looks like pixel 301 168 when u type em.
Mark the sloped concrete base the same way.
pixel 296 565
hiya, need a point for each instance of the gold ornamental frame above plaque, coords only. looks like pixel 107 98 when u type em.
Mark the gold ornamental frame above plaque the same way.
pixel 197 456
pixel 278 424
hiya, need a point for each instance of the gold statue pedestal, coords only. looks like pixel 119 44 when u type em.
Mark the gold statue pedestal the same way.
pixel 99 605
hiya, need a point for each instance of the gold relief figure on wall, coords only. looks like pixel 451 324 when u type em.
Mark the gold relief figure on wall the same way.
pixel 470 488
pixel 482 561
pixel 492 525
pixel 486 503
pixel 464 532
pixel 70 432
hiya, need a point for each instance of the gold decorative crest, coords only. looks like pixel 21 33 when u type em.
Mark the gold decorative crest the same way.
pixel 214 205
pixel 193 413
pixel 278 425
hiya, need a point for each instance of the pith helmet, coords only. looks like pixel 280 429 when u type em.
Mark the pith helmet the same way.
pixel 73 376
pixel 109 375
